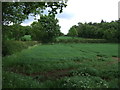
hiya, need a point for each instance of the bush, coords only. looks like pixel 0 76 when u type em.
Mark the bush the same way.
pixel 26 38
pixel 10 47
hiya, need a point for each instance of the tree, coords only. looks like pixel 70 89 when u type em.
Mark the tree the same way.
pixel 73 32
pixel 37 33
pixel 110 34
pixel 27 30
pixel 46 29
pixel 98 33
pixel 16 12
pixel 102 21
pixel 103 30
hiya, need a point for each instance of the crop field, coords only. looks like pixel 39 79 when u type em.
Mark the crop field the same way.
pixel 73 65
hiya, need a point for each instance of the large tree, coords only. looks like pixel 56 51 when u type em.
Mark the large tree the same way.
pixel 46 29
pixel 16 12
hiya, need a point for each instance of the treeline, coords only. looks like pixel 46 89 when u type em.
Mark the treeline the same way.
pixel 102 30
pixel 45 30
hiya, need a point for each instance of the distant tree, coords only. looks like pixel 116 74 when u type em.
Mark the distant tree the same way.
pixel 103 30
pixel 102 21
pixel 90 23
pixel 73 32
pixel 99 32
pixel 110 34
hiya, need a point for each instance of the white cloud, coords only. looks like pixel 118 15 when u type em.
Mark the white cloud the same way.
pixel 65 15
pixel 65 25
pixel 89 11
pixel 30 20
pixel 27 24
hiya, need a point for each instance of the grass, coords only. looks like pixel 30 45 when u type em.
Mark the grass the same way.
pixel 83 65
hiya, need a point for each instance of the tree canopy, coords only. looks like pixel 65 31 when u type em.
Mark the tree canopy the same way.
pixel 73 32
pixel 46 29
pixel 103 30
pixel 16 12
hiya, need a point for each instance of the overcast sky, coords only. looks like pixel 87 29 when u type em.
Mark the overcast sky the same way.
pixel 84 11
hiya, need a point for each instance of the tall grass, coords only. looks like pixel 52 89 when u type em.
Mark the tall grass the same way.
pixel 84 65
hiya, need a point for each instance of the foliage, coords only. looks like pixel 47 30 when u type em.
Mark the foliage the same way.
pixel 6 32
pixel 15 32
pixel 103 30
pixel 110 34
pixel 11 47
pixel 36 31
pixel 73 32
pixel 17 12
pixel 46 29
pixel 26 38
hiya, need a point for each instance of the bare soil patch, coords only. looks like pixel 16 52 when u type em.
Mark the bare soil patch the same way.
pixel 116 58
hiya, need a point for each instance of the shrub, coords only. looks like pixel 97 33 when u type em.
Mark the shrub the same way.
pixel 26 38
pixel 10 47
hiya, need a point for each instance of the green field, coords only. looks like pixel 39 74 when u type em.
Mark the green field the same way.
pixel 38 51
pixel 80 65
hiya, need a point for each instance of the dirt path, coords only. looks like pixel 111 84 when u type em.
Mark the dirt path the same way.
pixel 117 59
